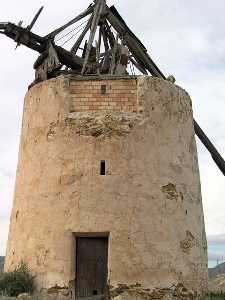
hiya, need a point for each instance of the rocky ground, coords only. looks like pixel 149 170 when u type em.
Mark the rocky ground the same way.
pixel 217 284
pixel 217 278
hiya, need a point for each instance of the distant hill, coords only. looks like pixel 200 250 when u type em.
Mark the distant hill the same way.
pixel 2 259
pixel 217 271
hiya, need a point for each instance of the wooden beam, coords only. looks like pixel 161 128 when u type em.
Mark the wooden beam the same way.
pixel 69 59
pixel 138 66
pixel 79 17
pixel 218 159
pixel 97 57
pixel 35 19
pixel 134 46
pixel 27 38
pixel 113 60
pixel 110 35
pixel 105 41
pixel 100 39
pixel 96 17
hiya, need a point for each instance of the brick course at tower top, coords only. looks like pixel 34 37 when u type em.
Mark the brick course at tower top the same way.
pixel 100 95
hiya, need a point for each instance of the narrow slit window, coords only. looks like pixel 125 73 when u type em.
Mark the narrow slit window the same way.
pixel 102 167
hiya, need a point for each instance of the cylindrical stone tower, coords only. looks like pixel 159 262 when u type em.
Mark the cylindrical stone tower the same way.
pixel 108 195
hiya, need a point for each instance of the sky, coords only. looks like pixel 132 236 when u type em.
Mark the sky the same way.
pixel 185 39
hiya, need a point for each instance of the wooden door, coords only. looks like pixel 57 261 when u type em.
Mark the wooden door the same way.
pixel 91 267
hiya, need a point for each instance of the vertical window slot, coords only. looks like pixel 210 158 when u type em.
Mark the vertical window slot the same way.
pixel 102 167
pixel 103 89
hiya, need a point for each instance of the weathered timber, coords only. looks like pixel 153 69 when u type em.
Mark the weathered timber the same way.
pixel 121 66
pixel 69 59
pixel 105 41
pixel 210 147
pixel 138 66
pixel 2 26
pixel 110 35
pixel 79 17
pixel 27 38
pixel 29 27
pixel 96 17
pixel 97 56
pixel 113 60
pixel 137 49
pixel 99 39
pixel 40 44
pixel 35 19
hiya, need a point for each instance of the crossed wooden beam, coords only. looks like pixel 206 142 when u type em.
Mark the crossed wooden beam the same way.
pixel 109 21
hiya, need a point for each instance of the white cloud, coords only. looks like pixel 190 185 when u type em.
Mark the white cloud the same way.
pixel 216 256
pixel 217 239
pixel 185 38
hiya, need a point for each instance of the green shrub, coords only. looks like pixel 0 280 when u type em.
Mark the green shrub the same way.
pixel 16 282
pixel 217 295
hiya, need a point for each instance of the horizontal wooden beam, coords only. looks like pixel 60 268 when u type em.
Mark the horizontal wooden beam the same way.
pixel 24 36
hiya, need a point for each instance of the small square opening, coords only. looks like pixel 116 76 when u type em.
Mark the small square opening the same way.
pixel 103 89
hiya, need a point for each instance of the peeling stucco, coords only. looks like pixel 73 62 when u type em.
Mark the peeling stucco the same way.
pixel 149 201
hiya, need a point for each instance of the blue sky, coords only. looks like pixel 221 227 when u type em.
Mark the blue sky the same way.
pixel 185 38
pixel 219 257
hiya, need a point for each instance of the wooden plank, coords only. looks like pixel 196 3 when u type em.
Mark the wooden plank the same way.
pixel 100 40
pixel 27 38
pixel 121 65
pixel 105 41
pixel 218 159
pixel 91 267
pixel 17 39
pixel 97 56
pixel 110 35
pixel 79 17
pixel 3 25
pixel 35 19
pixel 113 60
pixel 98 49
pixel 96 17
pixel 138 66
pixel 136 49
pixel 69 59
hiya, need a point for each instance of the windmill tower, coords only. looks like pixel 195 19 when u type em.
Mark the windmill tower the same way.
pixel 107 198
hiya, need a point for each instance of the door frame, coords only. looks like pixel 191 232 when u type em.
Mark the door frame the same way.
pixel 77 235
